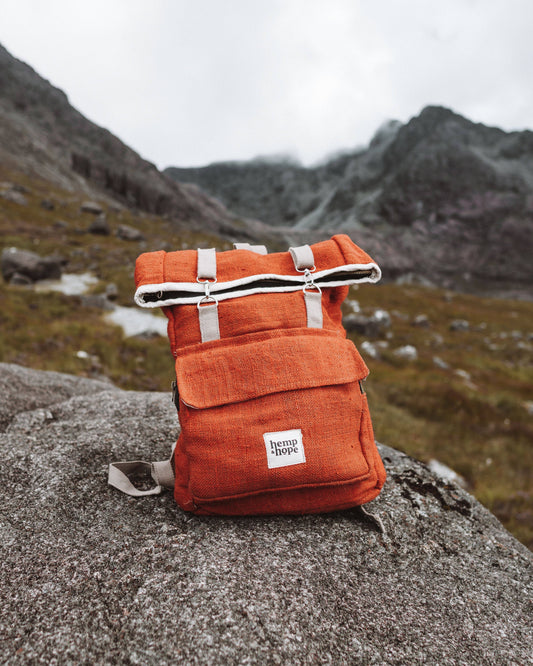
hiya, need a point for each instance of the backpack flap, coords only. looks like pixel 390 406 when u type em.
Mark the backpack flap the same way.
pixel 273 417
pixel 233 372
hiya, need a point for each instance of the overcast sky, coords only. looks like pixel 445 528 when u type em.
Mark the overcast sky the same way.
pixel 189 82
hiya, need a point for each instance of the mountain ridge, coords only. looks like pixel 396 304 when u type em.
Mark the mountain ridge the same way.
pixel 43 136
pixel 438 195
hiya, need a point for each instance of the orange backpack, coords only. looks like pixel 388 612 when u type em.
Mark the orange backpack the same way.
pixel 273 415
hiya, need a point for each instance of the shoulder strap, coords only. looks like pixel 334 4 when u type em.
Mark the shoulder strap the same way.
pixel 120 476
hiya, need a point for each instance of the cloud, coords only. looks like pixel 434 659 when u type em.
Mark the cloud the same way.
pixel 193 82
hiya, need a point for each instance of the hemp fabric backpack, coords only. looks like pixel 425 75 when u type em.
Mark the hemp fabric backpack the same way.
pixel 273 415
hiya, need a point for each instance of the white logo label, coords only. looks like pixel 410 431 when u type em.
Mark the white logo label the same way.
pixel 284 448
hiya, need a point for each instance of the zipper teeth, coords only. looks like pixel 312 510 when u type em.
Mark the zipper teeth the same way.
pixel 268 282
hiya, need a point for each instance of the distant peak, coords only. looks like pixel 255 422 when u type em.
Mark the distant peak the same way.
pixel 434 115
pixel 386 131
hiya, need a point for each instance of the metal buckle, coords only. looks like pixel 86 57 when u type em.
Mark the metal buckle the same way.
pixel 207 296
pixel 205 300
pixel 306 270
pixel 309 282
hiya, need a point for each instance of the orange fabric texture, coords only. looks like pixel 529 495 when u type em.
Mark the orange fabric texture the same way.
pixel 273 418
pixel 160 267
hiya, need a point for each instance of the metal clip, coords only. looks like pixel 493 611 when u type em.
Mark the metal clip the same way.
pixel 309 282
pixel 208 297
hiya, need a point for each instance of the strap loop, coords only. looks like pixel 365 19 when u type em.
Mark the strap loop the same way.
pixel 162 472
pixel 258 249
pixel 207 264
pixel 121 473
pixel 303 258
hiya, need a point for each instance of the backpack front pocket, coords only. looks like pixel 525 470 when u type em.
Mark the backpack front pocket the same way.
pixel 270 412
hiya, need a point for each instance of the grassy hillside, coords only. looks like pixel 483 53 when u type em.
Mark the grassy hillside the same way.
pixel 470 409
pixel 476 415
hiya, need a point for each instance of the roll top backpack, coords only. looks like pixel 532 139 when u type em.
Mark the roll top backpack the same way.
pixel 274 418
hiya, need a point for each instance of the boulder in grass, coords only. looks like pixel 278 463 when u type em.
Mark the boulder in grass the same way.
pixel 460 325
pixel 100 226
pixel 15 262
pixel 14 196
pixel 125 232
pixel 372 325
pixel 407 353
pixel 91 207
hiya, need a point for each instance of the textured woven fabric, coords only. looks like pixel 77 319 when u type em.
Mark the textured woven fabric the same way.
pixel 273 418
pixel 162 267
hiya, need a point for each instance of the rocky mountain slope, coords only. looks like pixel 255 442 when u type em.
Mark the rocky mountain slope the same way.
pixel 439 195
pixel 43 136
pixel 89 575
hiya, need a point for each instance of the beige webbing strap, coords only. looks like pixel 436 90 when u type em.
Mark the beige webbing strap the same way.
pixel 258 249
pixel 207 264
pixel 303 258
pixel 208 317
pixel 313 305
pixel 163 472
pixel 304 262
pixel 121 473
pixel 208 305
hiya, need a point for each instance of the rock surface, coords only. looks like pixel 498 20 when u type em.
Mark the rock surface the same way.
pixel 14 197
pixel 125 232
pixel 29 264
pixel 92 576
pixel 372 325
pixel 99 226
pixel 92 208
